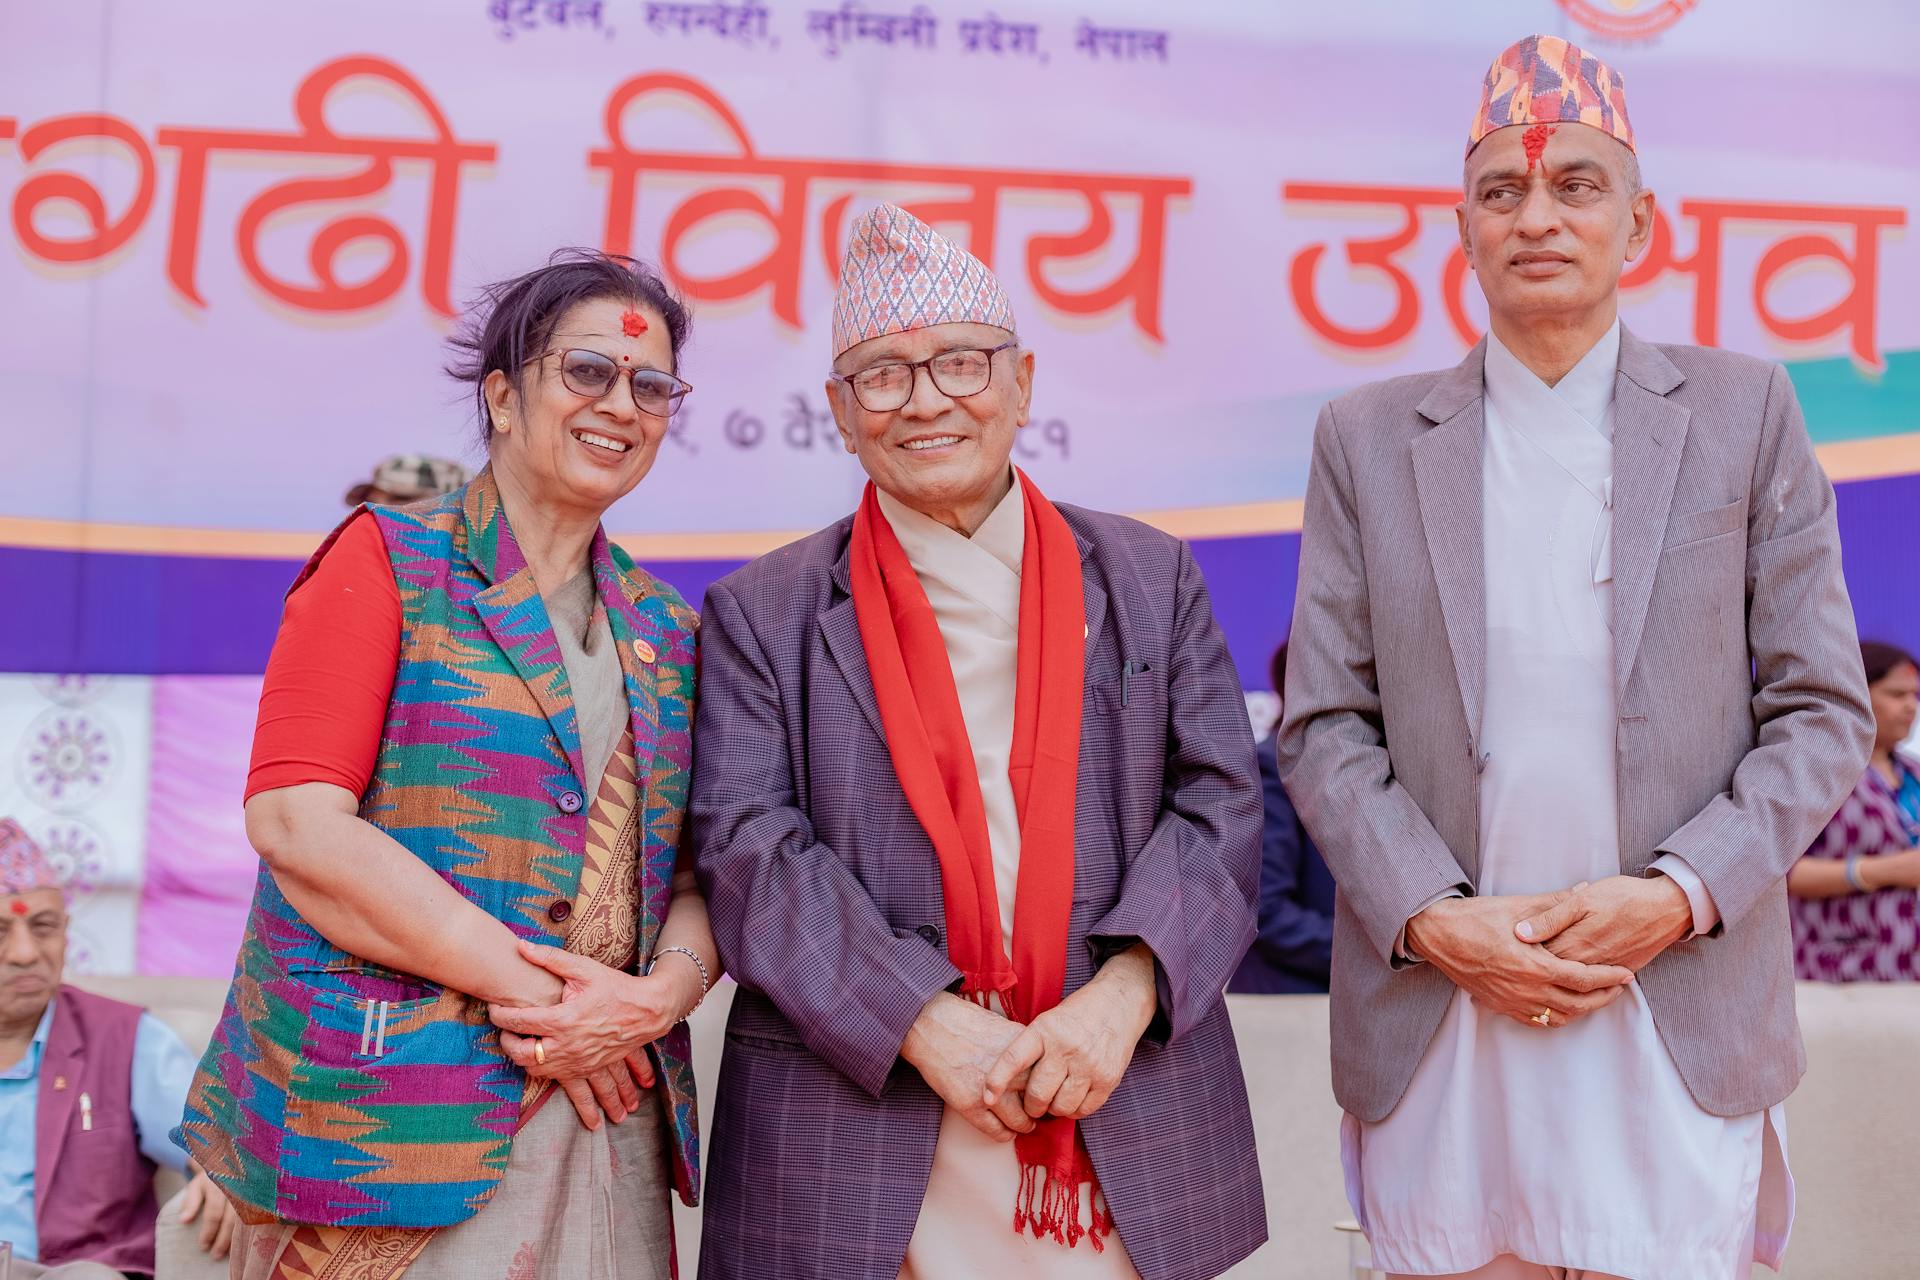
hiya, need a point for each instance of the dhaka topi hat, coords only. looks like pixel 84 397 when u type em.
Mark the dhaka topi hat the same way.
pixel 900 274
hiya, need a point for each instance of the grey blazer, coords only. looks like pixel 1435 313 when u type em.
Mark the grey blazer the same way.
pixel 1743 707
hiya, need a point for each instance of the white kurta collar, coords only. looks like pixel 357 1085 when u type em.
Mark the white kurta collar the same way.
pixel 985 567
pixel 1571 422
pixel 1587 388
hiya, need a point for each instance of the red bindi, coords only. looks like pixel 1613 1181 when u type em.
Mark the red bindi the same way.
pixel 1535 142
pixel 632 323
pixel 18 907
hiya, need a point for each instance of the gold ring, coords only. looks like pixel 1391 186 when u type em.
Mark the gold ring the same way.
pixel 1544 1018
pixel 540 1050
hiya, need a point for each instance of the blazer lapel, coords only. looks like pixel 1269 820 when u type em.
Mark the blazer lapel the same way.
pixel 1093 593
pixel 1649 432
pixel 515 616
pixel 842 631
pixel 1447 476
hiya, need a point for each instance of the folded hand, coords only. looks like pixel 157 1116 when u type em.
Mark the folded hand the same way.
pixel 1621 920
pixel 1473 942
pixel 593 1042
pixel 1074 1054
pixel 952 1044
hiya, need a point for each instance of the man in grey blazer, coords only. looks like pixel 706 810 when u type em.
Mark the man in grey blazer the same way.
pixel 1573 682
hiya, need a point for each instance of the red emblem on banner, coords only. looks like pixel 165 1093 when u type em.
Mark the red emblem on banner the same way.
pixel 1627 19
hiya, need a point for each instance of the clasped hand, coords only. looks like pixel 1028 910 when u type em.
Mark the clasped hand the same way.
pixel 1565 954
pixel 593 1041
pixel 1003 1077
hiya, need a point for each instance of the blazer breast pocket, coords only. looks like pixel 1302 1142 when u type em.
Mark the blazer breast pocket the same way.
pixel 1698 526
pixel 1123 688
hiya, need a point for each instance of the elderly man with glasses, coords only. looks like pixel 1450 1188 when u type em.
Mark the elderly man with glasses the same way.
pixel 976 812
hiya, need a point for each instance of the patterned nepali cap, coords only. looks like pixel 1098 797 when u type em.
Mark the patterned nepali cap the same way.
pixel 23 867
pixel 1545 80
pixel 900 274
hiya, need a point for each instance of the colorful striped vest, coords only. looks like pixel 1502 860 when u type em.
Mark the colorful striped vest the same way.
pixel 339 1093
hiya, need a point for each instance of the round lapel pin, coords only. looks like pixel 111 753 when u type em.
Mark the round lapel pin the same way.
pixel 643 651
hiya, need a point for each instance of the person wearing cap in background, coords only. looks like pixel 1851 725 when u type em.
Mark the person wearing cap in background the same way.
pixel 407 477
pixel 976 812
pixel 89 1088
pixel 1572 684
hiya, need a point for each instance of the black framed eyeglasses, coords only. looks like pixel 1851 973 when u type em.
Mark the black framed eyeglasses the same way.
pixel 591 374
pixel 883 388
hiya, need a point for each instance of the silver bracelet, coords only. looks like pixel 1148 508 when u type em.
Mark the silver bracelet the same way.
pixel 1853 874
pixel 706 983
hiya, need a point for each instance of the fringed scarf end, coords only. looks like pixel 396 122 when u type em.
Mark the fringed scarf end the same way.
pixel 983 988
pixel 1048 1204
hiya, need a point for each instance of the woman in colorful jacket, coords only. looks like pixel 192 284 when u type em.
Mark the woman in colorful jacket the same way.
pixel 1856 892
pixel 454 1044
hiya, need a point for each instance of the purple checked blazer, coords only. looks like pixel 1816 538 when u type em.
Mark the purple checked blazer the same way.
pixel 825 898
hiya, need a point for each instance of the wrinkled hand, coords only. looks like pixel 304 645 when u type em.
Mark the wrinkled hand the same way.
pixel 218 1218
pixel 1621 920
pixel 609 1094
pixel 952 1044
pixel 1074 1054
pixel 603 1018
pixel 1472 941
pixel 594 1040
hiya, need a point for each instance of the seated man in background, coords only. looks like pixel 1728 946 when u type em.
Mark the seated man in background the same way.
pixel 89 1088
pixel 1293 952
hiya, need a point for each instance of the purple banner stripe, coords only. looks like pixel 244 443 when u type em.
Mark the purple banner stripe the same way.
pixel 127 614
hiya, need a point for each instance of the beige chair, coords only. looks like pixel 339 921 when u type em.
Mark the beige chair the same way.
pixel 1853 1132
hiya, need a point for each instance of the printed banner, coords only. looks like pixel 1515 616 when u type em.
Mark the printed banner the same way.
pixel 231 276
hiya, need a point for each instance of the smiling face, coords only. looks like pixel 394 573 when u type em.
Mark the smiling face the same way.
pixel 33 951
pixel 946 458
pixel 573 452
pixel 1550 221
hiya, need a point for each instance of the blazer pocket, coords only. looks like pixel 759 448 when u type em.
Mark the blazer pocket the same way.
pixel 1118 690
pixel 1698 526
pixel 766 1044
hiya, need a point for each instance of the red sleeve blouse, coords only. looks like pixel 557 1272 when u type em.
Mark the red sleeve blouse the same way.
pixel 329 679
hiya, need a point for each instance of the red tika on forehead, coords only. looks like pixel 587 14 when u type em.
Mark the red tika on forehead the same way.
pixel 1535 141
pixel 632 323
pixel 18 907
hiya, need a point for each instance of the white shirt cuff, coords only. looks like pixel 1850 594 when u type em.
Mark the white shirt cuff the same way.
pixel 1705 914
pixel 1402 954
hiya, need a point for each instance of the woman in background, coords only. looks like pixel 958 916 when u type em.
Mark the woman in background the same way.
pixel 1856 892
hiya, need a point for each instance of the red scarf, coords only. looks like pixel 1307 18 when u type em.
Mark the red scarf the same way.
pixel 927 740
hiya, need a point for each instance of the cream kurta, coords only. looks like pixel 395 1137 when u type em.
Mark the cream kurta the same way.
pixel 1579 1146
pixel 966 1221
